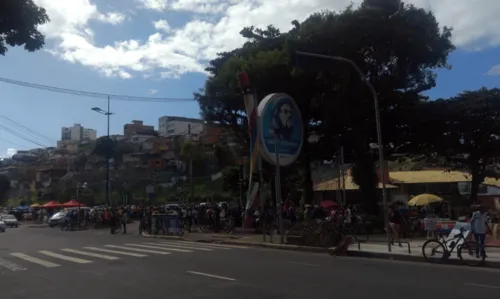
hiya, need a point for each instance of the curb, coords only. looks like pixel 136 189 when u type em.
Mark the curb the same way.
pixel 268 245
pixel 261 245
pixel 415 259
pixel 164 237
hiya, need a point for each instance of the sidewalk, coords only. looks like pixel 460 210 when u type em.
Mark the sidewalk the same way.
pixel 412 252
pixel 374 247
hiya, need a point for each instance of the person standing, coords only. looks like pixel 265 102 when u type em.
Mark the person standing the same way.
pixel 478 226
pixel 124 220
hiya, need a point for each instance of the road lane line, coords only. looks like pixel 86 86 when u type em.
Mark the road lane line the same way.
pixel 211 275
pixel 482 286
pixel 115 251
pixel 65 257
pixel 138 250
pixel 11 266
pixel 179 246
pixel 97 255
pixel 157 247
pixel 211 245
pixel 35 260
pixel 303 264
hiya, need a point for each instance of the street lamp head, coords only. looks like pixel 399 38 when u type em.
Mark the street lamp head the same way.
pixel 97 109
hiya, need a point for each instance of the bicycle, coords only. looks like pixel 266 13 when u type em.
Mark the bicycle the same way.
pixel 464 248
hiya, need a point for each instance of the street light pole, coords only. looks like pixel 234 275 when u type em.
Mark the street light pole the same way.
pixel 379 129
pixel 107 156
pixel 108 114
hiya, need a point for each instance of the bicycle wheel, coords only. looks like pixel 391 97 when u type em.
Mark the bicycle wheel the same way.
pixel 469 253
pixel 436 248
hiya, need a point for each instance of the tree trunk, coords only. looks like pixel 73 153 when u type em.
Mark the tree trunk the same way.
pixel 307 184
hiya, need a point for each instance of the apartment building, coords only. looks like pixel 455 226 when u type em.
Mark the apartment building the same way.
pixel 136 126
pixel 78 133
pixel 169 126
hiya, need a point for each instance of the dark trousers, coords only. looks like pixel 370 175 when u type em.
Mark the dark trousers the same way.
pixel 124 225
pixel 479 238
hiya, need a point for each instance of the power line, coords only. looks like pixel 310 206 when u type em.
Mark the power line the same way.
pixel 32 132
pixel 96 94
pixel 9 130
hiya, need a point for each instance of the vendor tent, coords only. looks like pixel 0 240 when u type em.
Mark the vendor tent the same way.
pixel 52 204
pixel 73 203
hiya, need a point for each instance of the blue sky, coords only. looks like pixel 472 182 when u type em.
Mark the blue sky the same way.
pixel 158 48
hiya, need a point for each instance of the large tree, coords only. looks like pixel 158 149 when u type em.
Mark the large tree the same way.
pixel 19 20
pixel 396 52
pixel 4 188
pixel 462 132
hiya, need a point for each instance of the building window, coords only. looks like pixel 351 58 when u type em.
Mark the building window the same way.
pixel 171 131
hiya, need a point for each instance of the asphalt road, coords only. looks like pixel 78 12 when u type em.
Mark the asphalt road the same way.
pixel 36 263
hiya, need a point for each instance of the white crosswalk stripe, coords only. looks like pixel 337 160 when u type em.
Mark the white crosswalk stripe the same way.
pixel 138 249
pixel 65 257
pixel 180 246
pixel 158 247
pixel 11 266
pixel 35 260
pixel 115 252
pixel 106 252
pixel 214 245
pixel 97 255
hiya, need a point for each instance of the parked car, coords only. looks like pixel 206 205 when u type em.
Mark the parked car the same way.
pixel 10 220
pixel 2 226
pixel 56 219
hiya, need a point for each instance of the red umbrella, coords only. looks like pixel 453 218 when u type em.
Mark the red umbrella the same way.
pixel 52 204
pixel 328 204
pixel 73 203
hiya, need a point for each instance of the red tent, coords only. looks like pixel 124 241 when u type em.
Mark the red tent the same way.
pixel 52 204
pixel 328 204
pixel 73 203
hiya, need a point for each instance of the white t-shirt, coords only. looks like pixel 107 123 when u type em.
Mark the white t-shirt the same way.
pixel 478 222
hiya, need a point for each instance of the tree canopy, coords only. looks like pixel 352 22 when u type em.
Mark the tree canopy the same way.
pixel 397 52
pixel 4 188
pixel 19 20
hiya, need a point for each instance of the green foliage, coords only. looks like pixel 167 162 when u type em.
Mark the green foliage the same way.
pixel 397 52
pixel 463 131
pixel 19 20
pixel 4 188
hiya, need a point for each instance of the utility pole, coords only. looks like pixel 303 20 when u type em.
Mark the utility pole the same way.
pixel 108 114
pixel 342 172
pixel 191 186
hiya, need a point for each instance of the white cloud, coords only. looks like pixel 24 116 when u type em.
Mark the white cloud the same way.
pixel 157 5
pixel 112 18
pixel 162 25
pixel 11 152
pixel 153 91
pixel 494 71
pixel 172 52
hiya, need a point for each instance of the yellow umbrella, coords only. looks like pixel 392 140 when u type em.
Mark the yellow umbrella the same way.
pixel 35 205
pixel 424 199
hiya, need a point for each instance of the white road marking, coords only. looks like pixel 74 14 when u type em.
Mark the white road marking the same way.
pixel 11 266
pixel 97 255
pixel 303 264
pixel 482 286
pixel 158 247
pixel 211 275
pixel 137 249
pixel 65 257
pixel 179 246
pixel 115 251
pixel 35 260
pixel 211 245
